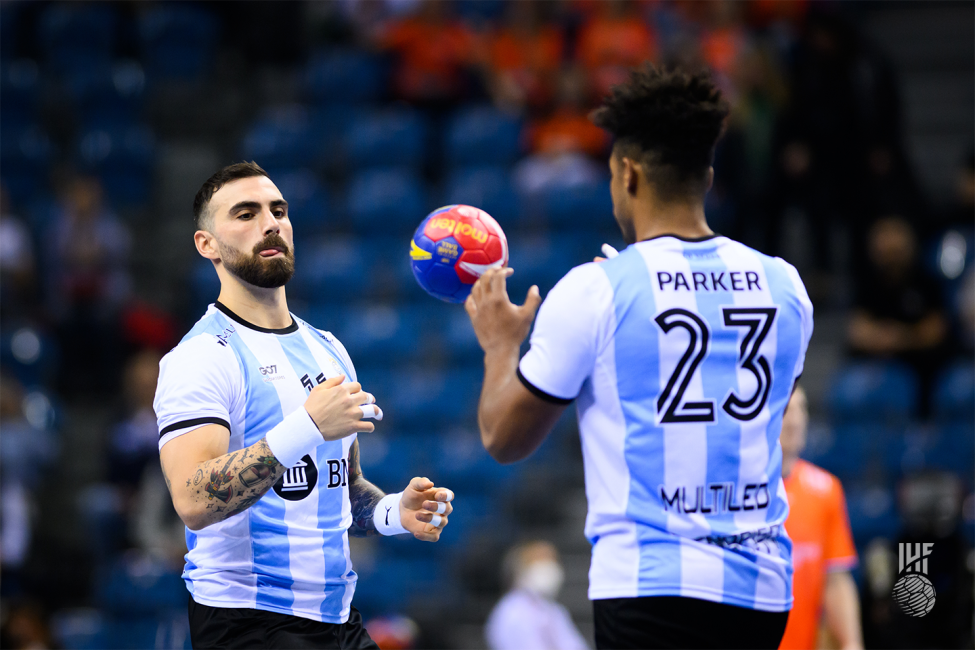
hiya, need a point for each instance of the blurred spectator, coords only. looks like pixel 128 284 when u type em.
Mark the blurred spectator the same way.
pixel 898 312
pixel 135 440
pixel 523 57
pixel 744 159
pixel 25 628
pixel 26 452
pixel 724 35
pixel 434 55
pixel 568 128
pixel 842 105
pixel 613 40
pixel 822 545
pixel 17 265
pixel 87 256
pixel 393 632
pixel 528 617
pixel 930 506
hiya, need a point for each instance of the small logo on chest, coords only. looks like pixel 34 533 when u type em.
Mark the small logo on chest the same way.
pixel 270 373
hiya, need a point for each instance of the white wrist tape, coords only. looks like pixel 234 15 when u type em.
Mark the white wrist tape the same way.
pixel 293 437
pixel 387 517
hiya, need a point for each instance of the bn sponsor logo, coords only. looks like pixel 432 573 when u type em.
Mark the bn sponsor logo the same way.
pixel 299 481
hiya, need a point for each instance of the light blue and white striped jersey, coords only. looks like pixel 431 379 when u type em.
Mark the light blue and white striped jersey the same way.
pixel 289 552
pixel 681 356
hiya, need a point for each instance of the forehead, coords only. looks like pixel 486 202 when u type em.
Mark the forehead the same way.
pixel 255 188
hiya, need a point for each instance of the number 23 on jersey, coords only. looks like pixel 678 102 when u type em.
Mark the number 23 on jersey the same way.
pixel 757 322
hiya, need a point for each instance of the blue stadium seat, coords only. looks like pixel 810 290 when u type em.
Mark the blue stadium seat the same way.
pixel 333 269
pixel 109 96
pixel 25 156
pixel 387 585
pixel 953 449
pixel 80 629
pixel 954 394
pixel 386 201
pixel 873 513
pixel 178 40
pixel 876 392
pixel 344 76
pixel 139 586
pixel 386 138
pixel 387 459
pixel 377 334
pixel 483 135
pixel 485 187
pixel 10 27
pixel 588 207
pixel 20 88
pixel 543 261
pixel 430 399
pixel 123 158
pixel 204 285
pixel 77 36
pixel 284 137
pixel 308 200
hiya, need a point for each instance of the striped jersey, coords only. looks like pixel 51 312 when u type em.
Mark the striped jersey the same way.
pixel 681 356
pixel 289 552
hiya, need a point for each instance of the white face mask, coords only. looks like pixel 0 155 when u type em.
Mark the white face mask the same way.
pixel 543 578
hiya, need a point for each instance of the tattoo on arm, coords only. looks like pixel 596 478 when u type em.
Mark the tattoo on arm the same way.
pixel 229 484
pixel 364 497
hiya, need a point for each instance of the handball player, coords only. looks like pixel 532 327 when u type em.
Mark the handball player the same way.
pixel 258 414
pixel 681 354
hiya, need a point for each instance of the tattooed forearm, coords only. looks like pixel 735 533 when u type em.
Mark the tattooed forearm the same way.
pixel 364 497
pixel 227 485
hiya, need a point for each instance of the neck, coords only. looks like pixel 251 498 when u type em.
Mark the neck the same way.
pixel 266 308
pixel 653 218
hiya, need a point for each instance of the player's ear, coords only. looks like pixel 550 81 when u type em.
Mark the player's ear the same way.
pixel 206 245
pixel 629 175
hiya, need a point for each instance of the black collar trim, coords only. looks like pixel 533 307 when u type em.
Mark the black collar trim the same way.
pixel 293 327
pixel 687 239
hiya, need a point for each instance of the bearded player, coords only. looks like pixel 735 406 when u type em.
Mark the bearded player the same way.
pixel 258 416
pixel 680 354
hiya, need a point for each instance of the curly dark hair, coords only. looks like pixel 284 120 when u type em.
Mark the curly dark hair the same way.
pixel 201 203
pixel 669 121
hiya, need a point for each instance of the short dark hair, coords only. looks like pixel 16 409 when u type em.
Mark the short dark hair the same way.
pixel 669 121
pixel 229 173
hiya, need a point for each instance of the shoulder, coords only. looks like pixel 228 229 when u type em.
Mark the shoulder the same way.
pixel 816 480
pixel 586 285
pixel 208 343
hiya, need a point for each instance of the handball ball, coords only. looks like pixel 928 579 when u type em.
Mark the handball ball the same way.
pixel 452 247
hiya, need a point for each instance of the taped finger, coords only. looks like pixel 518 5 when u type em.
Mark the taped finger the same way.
pixel 371 411
pixel 435 521
pixel 441 508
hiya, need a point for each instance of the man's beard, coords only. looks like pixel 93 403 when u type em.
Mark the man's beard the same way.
pixel 267 273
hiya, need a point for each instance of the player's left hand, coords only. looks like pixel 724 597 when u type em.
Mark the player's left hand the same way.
pixel 496 320
pixel 424 509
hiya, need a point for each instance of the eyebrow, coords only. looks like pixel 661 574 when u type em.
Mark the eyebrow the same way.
pixel 254 205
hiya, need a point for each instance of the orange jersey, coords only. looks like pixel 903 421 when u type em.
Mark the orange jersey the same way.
pixel 821 542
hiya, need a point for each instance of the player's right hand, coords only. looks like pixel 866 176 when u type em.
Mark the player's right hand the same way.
pixel 339 409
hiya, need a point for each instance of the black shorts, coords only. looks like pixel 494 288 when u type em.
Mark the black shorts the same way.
pixel 220 627
pixel 675 622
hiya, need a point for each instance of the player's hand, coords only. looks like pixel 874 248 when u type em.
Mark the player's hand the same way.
pixel 338 409
pixel 424 508
pixel 497 321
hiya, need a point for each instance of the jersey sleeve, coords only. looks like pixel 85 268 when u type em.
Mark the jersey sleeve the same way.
pixel 839 553
pixel 342 352
pixel 199 384
pixel 568 334
pixel 805 313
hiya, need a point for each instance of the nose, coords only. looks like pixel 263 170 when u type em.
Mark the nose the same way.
pixel 269 223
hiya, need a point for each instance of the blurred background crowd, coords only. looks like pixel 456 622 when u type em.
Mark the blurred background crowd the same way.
pixel 848 152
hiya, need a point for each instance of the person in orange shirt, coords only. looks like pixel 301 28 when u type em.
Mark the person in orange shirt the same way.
pixel 523 56
pixel 434 52
pixel 822 546
pixel 614 40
